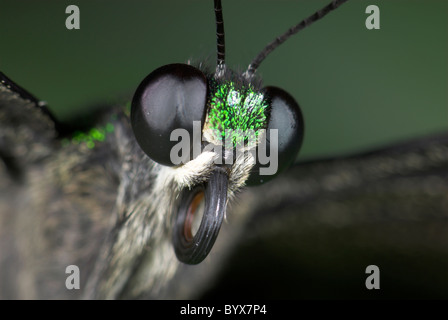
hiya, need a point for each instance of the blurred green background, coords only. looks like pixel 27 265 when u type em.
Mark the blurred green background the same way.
pixel 358 89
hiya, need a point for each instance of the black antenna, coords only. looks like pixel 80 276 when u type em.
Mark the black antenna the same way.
pixel 221 48
pixel 253 66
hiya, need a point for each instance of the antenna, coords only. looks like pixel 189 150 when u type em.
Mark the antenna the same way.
pixel 221 48
pixel 253 66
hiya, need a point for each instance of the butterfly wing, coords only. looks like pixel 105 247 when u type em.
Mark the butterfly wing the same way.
pixel 57 195
pixel 315 229
pixel 26 127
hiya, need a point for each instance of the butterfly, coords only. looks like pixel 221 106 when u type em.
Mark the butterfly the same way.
pixel 93 188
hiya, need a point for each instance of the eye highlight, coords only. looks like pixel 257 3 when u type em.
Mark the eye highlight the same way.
pixel 169 98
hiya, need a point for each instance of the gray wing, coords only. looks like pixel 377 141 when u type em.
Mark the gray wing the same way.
pixel 27 130
pixel 57 196
pixel 315 229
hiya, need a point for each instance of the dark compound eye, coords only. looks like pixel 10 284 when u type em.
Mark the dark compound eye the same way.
pixel 287 118
pixel 171 97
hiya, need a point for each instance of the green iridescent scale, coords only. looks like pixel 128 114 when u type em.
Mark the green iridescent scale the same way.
pixel 89 138
pixel 237 113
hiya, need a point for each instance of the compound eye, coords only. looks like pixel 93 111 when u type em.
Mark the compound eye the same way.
pixel 169 98
pixel 287 119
